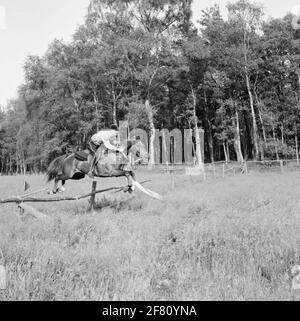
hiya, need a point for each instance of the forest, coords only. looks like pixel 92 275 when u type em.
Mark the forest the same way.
pixel 148 63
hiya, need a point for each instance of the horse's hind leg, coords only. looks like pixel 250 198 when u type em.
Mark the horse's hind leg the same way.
pixel 55 187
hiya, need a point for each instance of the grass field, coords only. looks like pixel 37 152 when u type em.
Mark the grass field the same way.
pixel 231 239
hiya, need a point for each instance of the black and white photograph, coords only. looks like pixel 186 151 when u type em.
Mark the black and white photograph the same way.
pixel 149 152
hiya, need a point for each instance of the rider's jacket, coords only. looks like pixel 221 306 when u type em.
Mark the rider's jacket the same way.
pixel 107 137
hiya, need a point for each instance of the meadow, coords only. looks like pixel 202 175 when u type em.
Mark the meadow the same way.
pixel 220 239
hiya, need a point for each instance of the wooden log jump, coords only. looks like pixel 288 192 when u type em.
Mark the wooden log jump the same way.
pixel 59 199
pixel 93 196
pixel 24 208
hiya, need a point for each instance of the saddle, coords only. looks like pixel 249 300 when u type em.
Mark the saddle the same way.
pixel 83 157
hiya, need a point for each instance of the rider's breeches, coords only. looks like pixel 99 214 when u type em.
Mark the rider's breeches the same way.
pixel 97 150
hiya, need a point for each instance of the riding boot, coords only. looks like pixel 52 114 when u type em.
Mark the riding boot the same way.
pixel 97 156
pixel 90 173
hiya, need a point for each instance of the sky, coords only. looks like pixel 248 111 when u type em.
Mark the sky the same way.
pixel 29 26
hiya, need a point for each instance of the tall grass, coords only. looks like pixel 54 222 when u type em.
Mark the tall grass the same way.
pixel 232 239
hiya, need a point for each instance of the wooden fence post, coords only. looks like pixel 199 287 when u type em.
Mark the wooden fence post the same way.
pixel 21 212
pixel 26 208
pixel 93 196
pixel 281 166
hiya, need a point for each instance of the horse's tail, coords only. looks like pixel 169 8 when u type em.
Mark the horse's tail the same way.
pixel 55 168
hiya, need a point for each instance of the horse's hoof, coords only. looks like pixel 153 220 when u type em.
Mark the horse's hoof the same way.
pixel 130 190
pixel 51 193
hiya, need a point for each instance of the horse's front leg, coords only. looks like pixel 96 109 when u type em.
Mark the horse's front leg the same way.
pixel 130 183
pixel 62 188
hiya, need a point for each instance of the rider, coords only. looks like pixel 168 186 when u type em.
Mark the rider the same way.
pixel 106 138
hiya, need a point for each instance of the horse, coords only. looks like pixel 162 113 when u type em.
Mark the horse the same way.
pixel 76 165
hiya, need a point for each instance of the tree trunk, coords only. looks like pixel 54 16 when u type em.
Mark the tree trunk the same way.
pixel 274 139
pixel 228 151
pixel 211 144
pixel 254 125
pixel 237 139
pixel 115 113
pixel 115 103
pixel 260 117
pixel 262 152
pixel 167 152
pixel 96 101
pixel 209 132
pixel 298 71
pixel 225 151
pixel 200 161
pixel 297 149
pixel 152 134
pixel 262 125
pixel 24 167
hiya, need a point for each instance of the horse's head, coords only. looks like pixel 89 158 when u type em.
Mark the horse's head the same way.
pixel 137 149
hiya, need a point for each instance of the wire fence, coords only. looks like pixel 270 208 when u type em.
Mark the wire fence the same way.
pixel 224 169
pixel 228 169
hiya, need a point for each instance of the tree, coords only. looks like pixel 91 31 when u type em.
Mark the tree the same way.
pixel 246 20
